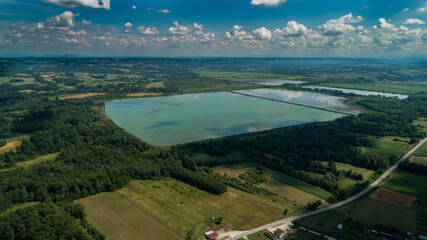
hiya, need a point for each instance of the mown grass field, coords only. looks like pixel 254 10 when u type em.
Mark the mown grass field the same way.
pixel 386 147
pixel 422 151
pixel 408 183
pixel 289 192
pixel 401 88
pixel 183 208
pixel 316 191
pixel 418 160
pixel 118 219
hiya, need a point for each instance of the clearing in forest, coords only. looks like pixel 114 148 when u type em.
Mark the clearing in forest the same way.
pixel 10 145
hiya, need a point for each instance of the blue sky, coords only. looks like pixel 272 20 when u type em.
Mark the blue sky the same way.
pixel 359 28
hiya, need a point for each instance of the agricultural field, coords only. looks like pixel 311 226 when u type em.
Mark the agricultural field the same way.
pixel 396 205
pixel 184 208
pixel 386 147
pixel 118 219
pixel 314 190
pixel 242 75
pixel 278 183
pixel 408 183
pixel 422 151
pixel 401 88
pixel 291 193
pixel 418 160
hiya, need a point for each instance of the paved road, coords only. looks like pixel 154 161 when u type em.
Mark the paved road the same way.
pixel 338 204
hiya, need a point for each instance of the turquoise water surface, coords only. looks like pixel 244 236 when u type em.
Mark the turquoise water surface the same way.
pixel 163 121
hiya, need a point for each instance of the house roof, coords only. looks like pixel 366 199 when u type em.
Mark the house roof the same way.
pixel 294 231
pixel 211 235
pixel 268 233
pixel 279 231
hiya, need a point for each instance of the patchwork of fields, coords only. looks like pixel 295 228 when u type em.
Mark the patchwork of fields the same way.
pixel 396 205
pixel 182 208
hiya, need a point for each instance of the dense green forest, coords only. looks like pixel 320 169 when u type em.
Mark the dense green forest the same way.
pixel 95 155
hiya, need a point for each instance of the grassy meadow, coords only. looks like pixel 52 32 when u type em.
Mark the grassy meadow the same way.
pixel 408 183
pixel 182 208
pixel 118 219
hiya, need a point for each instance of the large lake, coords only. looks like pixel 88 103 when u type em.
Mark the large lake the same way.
pixel 163 121
pixel 358 92
pixel 316 100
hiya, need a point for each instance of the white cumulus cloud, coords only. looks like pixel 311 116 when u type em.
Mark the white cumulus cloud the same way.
pixel 104 4
pixel 292 29
pixel 412 21
pixel 340 26
pixel 63 21
pixel 383 24
pixel 165 11
pixel 268 3
pixel 178 29
pixel 148 30
pixel 127 26
pixel 422 9
pixel 262 33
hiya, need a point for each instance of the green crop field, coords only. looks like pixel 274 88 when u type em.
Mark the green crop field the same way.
pixel 118 219
pixel 317 191
pixel 422 151
pixel 183 208
pixel 408 183
pixel 401 88
pixel 386 147
pixel 365 211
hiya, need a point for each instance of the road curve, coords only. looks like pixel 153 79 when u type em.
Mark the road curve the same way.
pixel 338 204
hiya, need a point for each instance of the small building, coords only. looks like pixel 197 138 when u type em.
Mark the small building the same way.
pixel 270 235
pixel 280 233
pixel 339 227
pixel 293 231
pixel 211 235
